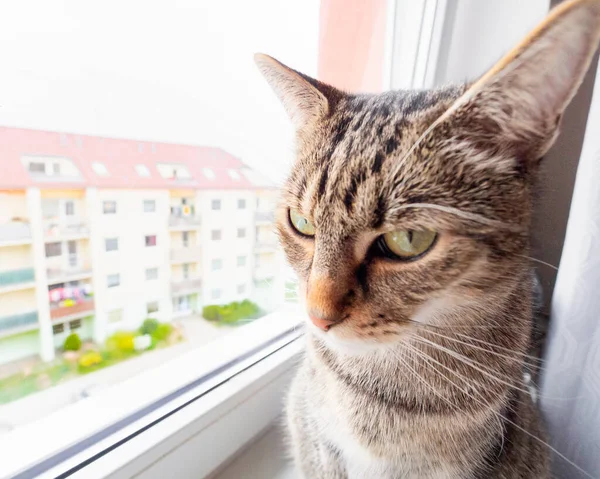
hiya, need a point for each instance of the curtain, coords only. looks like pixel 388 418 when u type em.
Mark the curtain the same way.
pixel 570 395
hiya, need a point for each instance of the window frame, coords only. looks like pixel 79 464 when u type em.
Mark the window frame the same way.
pixel 106 243
pixel 148 244
pixel 115 285
pixel 145 203
pixel 110 211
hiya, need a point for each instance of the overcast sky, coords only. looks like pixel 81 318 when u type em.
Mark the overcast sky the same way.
pixel 178 70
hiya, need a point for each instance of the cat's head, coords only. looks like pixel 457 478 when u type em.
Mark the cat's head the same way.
pixel 410 206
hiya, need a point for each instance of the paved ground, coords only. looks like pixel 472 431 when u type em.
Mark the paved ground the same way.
pixel 196 330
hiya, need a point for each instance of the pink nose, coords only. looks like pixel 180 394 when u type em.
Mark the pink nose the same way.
pixel 321 323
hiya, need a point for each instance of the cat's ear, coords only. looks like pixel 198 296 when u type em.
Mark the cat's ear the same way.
pixel 520 100
pixel 305 100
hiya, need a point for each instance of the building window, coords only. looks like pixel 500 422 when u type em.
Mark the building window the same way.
pixel 241 204
pixel 115 316
pixel 37 167
pixel 216 264
pixel 185 238
pixel 241 232
pixel 215 294
pixel 185 268
pixel 215 204
pixel 152 307
pixel 142 170
pixel 58 328
pixel 149 206
pixel 99 168
pixel 209 173
pixel 111 244
pixel 215 235
pixel 75 324
pixel 234 175
pixel 69 208
pixel 150 240
pixel 109 207
pixel 241 261
pixel 53 249
pixel 241 289
pixel 151 274
pixel 113 280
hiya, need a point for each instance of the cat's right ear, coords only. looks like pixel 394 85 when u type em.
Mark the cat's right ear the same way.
pixel 305 100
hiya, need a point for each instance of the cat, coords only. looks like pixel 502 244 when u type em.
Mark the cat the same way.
pixel 407 219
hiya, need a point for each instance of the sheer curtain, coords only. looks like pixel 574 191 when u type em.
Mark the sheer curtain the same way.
pixel 571 384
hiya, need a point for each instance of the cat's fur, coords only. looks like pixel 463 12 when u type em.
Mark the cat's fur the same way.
pixel 421 376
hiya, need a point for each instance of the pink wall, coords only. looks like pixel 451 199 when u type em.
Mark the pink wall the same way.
pixel 351 44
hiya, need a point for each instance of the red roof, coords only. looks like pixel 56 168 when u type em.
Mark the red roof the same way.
pixel 120 158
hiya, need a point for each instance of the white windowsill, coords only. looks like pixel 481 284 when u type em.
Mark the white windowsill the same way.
pixel 252 396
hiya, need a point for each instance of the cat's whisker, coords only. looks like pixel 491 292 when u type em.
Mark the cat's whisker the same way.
pixel 533 436
pixel 555 268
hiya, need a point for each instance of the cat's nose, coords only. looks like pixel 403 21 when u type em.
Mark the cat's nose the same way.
pixel 321 322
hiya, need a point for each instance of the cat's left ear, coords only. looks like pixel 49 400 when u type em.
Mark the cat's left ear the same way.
pixel 305 99
pixel 516 106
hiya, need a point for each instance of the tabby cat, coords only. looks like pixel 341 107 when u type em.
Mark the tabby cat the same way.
pixel 407 218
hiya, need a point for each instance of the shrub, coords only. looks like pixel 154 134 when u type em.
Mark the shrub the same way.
pixel 149 326
pixel 162 332
pixel 72 342
pixel 211 312
pixel 232 312
pixel 89 359
pixel 121 342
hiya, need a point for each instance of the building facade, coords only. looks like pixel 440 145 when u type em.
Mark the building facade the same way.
pixel 98 234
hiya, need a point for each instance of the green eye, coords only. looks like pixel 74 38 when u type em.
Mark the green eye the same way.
pixel 301 224
pixel 408 244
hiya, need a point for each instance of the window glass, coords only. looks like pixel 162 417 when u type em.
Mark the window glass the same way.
pixel 100 168
pixel 69 208
pixel 241 261
pixel 149 206
pixel 216 204
pixel 109 207
pixel 241 232
pixel 215 235
pixel 111 244
pixel 53 249
pixel 113 280
pixel 150 240
pixel 216 264
pixel 241 204
pixel 115 316
pixel 151 274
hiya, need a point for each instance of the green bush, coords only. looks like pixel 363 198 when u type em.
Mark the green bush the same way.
pixel 72 342
pixel 231 313
pixel 89 359
pixel 162 332
pixel 121 342
pixel 149 326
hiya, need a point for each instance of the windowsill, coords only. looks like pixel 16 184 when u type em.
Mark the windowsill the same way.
pixel 115 414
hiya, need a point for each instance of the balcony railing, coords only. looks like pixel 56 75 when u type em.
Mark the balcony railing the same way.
pixel 17 276
pixel 177 221
pixel 79 309
pixel 18 321
pixel 191 254
pixel 15 232
pixel 264 217
pixel 183 286
pixel 64 228
pixel 62 275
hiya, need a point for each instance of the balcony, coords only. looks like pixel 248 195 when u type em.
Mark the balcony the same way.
pixel 180 222
pixel 18 322
pixel 17 279
pixel 191 254
pixel 72 310
pixel 15 233
pixel 62 275
pixel 264 217
pixel 73 228
pixel 185 286
pixel 266 245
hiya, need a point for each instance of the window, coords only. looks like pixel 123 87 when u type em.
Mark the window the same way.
pixel 75 324
pixel 216 204
pixel 216 264
pixel 234 175
pixel 185 271
pixel 109 207
pixel 215 294
pixel 151 274
pixel 173 172
pixel 149 206
pixel 215 235
pixel 241 289
pixel 37 167
pixel 113 280
pixel 241 232
pixel 152 307
pixel 241 261
pixel 209 174
pixel 142 170
pixel 241 204
pixel 150 240
pixel 53 249
pixel 99 168
pixel 58 328
pixel 185 238
pixel 111 244
pixel 115 316
pixel 69 208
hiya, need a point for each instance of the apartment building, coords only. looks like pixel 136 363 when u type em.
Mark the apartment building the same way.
pixel 98 234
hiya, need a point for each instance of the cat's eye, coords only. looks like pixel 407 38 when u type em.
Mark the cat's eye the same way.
pixel 408 244
pixel 301 224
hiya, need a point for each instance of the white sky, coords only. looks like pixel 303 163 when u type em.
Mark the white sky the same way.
pixel 179 70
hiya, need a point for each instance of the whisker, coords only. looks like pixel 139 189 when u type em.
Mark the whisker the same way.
pixel 555 268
